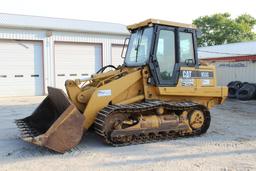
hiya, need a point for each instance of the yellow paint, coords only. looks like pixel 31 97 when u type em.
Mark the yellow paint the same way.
pixel 133 87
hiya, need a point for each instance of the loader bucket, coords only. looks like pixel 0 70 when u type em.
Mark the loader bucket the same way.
pixel 56 123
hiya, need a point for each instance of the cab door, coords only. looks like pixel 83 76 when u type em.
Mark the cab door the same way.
pixel 188 62
pixel 187 46
pixel 165 66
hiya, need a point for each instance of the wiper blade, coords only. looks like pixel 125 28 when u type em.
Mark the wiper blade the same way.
pixel 140 32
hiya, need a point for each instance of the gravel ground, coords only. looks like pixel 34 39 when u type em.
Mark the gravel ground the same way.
pixel 229 144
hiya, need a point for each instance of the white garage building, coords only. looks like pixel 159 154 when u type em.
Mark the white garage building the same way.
pixel 36 52
pixel 234 61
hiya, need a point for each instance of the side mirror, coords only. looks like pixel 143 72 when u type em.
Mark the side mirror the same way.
pixel 199 33
pixel 126 41
pixel 189 62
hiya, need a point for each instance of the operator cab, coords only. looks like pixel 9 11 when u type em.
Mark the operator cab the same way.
pixel 164 46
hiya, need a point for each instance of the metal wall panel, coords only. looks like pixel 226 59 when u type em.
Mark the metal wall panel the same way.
pixel 228 50
pixel 21 77
pixel 235 71
pixel 75 60
pixel 116 54
pixel 49 37
pixel 105 40
pixel 6 33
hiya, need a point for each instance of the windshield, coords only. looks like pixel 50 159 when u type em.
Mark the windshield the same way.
pixel 139 47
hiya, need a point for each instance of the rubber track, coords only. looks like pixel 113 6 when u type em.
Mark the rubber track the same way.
pixel 142 107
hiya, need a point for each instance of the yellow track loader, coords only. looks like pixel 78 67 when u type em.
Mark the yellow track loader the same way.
pixel 161 92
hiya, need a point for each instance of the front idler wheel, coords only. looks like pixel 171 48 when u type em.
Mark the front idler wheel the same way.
pixel 199 121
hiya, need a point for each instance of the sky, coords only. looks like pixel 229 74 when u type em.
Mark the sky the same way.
pixel 129 11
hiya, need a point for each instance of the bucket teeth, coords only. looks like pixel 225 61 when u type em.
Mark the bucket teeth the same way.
pixel 55 124
pixel 22 126
pixel 18 121
pixel 25 136
pixel 26 130
pixel 29 132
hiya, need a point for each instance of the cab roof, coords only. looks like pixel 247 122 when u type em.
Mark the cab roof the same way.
pixel 160 22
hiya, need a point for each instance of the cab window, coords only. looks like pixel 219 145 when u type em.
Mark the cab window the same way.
pixel 165 53
pixel 186 48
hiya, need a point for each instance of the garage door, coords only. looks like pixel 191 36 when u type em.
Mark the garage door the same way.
pixel 116 52
pixel 76 60
pixel 21 72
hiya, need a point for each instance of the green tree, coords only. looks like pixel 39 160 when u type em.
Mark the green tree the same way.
pixel 221 28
